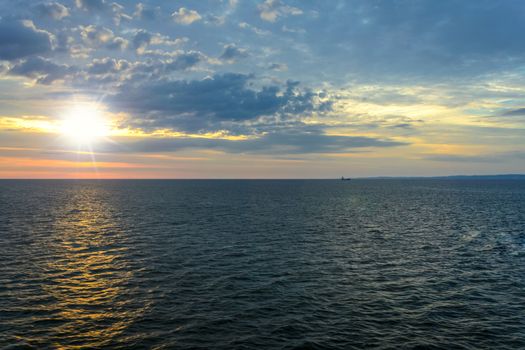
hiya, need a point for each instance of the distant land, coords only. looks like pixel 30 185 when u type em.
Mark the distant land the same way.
pixel 455 177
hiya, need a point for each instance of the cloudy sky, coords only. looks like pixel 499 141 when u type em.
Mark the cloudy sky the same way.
pixel 261 89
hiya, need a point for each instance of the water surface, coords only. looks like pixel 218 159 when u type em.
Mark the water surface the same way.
pixel 262 264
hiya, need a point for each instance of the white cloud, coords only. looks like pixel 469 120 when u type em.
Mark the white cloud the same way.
pixel 185 16
pixel 256 30
pixel 271 10
pixel 54 10
pixel 96 35
pixel 91 5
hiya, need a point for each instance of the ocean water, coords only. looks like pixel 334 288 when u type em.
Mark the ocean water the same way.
pixel 376 264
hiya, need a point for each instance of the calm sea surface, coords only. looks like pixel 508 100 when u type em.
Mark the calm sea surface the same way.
pixel 379 264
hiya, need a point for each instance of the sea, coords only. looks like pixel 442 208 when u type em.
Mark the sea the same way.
pixel 262 264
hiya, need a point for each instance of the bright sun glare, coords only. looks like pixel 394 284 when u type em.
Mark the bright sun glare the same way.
pixel 85 124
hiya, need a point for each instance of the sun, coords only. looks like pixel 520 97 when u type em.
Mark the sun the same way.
pixel 84 124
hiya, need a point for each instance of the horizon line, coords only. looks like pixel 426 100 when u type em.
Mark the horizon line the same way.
pixel 379 177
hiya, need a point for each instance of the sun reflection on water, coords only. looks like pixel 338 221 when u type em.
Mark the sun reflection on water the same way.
pixel 89 276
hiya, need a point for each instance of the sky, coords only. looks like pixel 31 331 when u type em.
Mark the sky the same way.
pixel 261 89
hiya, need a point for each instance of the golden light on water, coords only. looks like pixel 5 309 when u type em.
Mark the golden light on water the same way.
pixel 89 275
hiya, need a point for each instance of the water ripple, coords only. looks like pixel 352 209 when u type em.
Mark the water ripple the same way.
pixel 380 264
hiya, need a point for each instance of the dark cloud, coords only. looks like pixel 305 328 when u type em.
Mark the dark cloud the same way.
pixel 145 12
pixel 149 71
pixel 296 140
pixel 203 104
pixel 402 126
pixel 20 39
pixel 279 67
pixel 117 43
pixel 482 158
pixel 231 53
pixel 41 69
pixel 515 112
pixel 107 66
pixel 184 60
pixel 141 40
pixel 63 41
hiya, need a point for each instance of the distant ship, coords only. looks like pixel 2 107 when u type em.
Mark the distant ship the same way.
pixel 345 179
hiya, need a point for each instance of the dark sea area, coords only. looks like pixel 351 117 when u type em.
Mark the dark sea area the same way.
pixel 262 264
